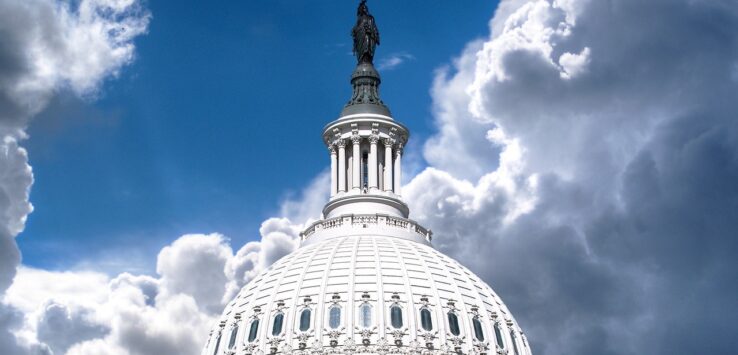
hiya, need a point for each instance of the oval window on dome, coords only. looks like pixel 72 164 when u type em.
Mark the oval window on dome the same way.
pixel 254 330
pixel 217 343
pixel 396 316
pixel 498 336
pixel 515 342
pixel 365 315
pixel 334 317
pixel 425 319
pixel 232 340
pixel 277 324
pixel 453 323
pixel 478 331
pixel 305 319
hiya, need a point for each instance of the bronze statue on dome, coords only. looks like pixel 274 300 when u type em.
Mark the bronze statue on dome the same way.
pixel 365 34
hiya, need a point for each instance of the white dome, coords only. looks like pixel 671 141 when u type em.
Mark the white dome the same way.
pixel 350 272
pixel 366 278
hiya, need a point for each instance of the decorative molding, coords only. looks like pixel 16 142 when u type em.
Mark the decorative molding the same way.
pixel 256 313
pixel 365 87
pixel 375 127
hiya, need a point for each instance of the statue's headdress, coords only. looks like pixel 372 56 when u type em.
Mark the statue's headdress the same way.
pixel 363 9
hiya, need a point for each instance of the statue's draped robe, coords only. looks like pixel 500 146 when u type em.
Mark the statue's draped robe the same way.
pixel 366 38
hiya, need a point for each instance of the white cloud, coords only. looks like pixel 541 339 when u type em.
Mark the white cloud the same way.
pixel 194 265
pixel 15 182
pixel 394 60
pixel 137 314
pixel 573 64
pixel 51 45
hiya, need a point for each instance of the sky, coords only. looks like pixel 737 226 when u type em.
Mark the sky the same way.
pixel 196 133
pixel 580 156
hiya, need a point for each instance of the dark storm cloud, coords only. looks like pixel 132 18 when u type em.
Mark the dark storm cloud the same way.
pixel 632 160
pixel 12 66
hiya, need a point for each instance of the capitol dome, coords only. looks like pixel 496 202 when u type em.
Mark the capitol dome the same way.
pixel 366 278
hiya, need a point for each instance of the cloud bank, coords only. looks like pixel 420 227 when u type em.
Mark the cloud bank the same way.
pixel 608 220
pixel 92 314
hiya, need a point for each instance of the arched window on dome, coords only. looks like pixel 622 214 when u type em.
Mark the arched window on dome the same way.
pixel 253 330
pixel 305 319
pixel 396 316
pixel 453 323
pixel 426 322
pixel 514 338
pixel 334 316
pixel 478 330
pixel 277 324
pixel 365 315
pixel 232 340
pixel 498 336
pixel 217 343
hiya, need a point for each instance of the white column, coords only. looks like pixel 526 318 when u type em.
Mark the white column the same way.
pixel 388 165
pixel 334 171
pixel 341 143
pixel 356 173
pixel 373 139
pixel 398 168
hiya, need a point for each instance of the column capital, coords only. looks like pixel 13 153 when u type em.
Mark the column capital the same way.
pixel 332 149
pixel 340 143
pixel 355 138
pixel 388 142
pixel 374 138
pixel 398 149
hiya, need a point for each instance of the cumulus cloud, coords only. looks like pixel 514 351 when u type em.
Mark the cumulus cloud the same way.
pixel 80 313
pixel 50 45
pixel 193 265
pixel 609 215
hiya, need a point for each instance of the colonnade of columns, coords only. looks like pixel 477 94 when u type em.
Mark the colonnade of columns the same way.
pixel 391 166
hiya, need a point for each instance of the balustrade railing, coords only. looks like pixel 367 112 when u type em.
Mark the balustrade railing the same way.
pixel 367 221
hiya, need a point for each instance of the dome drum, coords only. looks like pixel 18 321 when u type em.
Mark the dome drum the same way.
pixel 363 203
pixel 366 224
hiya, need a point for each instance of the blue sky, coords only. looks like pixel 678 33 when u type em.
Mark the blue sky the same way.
pixel 217 121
